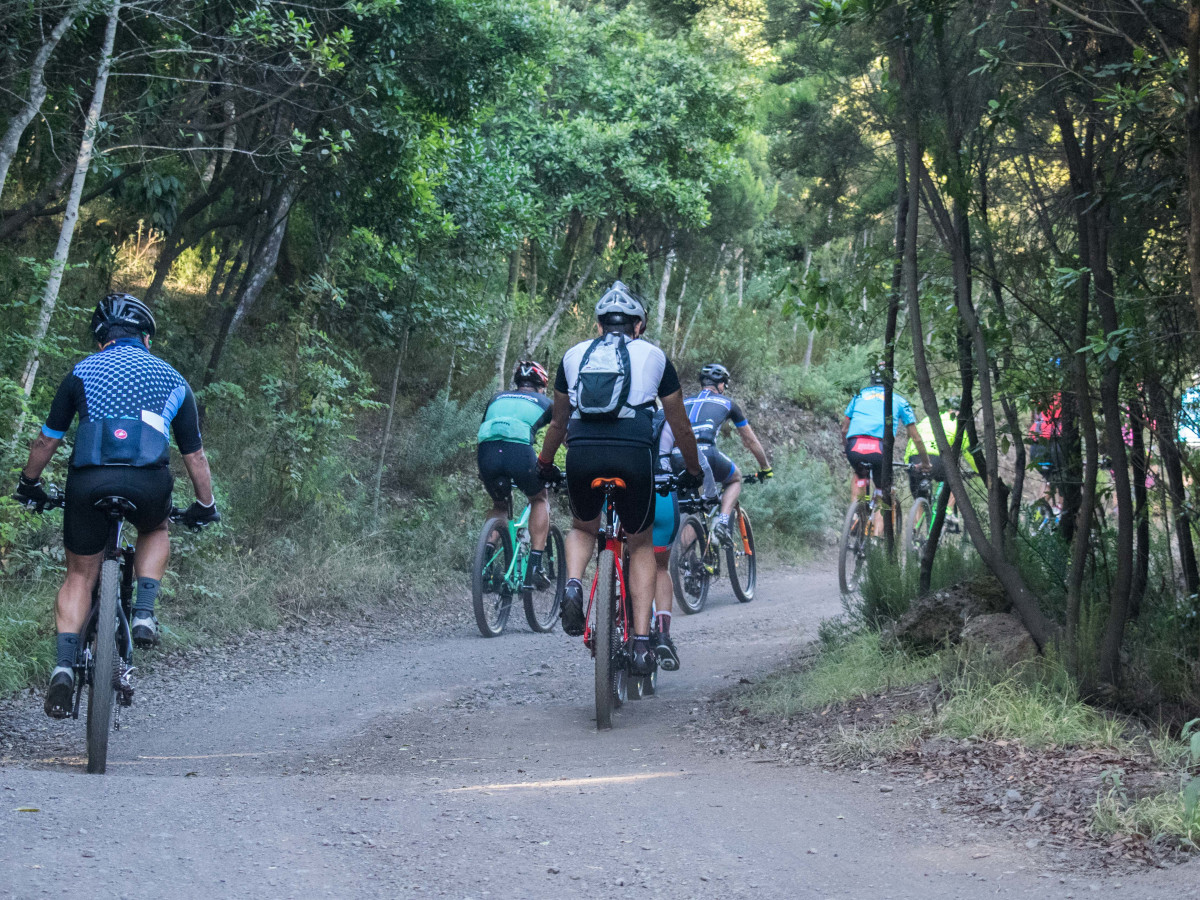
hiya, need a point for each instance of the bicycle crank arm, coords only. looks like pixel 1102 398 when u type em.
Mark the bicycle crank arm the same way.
pixel 123 686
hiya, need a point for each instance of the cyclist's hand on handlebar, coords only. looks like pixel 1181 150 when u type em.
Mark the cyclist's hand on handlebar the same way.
pixel 690 481
pixel 549 472
pixel 31 494
pixel 764 474
pixel 198 515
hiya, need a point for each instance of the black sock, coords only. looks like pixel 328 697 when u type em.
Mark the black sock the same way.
pixel 67 645
pixel 147 593
pixel 643 640
pixel 535 559
pixel 664 623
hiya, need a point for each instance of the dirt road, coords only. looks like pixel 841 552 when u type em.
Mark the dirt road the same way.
pixel 453 766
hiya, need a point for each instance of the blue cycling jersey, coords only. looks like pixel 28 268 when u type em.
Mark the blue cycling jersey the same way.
pixel 865 412
pixel 128 401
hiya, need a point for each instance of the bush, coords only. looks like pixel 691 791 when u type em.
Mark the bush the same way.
pixel 826 388
pixel 439 436
pixel 796 506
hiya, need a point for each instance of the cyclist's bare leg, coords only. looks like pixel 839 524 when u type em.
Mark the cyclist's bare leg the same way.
pixel 664 591
pixel 581 544
pixel 539 520
pixel 153 548
pixel 75 596
pixel 641 577
pixel 733 490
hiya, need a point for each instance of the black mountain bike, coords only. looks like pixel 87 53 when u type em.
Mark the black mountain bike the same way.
pixel 696 555
pixel 104 661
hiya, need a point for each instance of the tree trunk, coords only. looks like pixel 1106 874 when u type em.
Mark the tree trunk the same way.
pixel 661 313
pixel 889 348
pixel 387 428
pixel 1192 127
pixel 510 300
pixel 812 331
pixel 679 310
pixel 66 234
pixel 262 264
pixel 1141 511
pixel 32 104
pixel 1163 423
pixel 741 276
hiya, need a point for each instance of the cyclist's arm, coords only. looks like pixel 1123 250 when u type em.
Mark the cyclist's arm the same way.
pixel 40 451
pixel 915 437
pixel 556 431
pixel 685 439
pixel 197 469
pixel 750 442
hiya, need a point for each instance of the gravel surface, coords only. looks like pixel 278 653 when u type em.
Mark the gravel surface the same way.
pixel 358 762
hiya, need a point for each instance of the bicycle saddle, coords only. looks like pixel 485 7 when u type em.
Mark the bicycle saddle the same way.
pixel 599 483
pixel 116 506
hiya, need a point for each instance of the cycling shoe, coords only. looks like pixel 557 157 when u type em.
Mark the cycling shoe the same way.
pixel 668 656
pixel 58 697
pixel 643 661
pixel 536 579
pixel 721 533
pixel 573 617
pixel 144 630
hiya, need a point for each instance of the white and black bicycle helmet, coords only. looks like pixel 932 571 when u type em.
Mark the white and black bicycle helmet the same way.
pixel 125 310
pixel 619 306
pixel 714 373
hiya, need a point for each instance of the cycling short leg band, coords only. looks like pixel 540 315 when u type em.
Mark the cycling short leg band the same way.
pixel 664 622
pixel 67 645
pixel 147 593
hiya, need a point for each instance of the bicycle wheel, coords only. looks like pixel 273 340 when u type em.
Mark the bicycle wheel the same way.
pixel 105 672
pixel 743 564
pixel 603 639
pixel 916 530
pixel 491 595
pixel 689 575
pixel 542 607
pixel 853 555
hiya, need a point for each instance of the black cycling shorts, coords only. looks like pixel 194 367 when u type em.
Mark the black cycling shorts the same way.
pixel 503 464
pixel 1047 455
pixel 85 528
pixel 723 468
pixel 633 464
pixel 937 472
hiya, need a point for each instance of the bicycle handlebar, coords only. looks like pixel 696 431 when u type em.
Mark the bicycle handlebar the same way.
pixel 58 500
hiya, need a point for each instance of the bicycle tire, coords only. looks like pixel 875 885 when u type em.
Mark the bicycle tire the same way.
pixel 689 575
pixel 1041 517
pixel 100 694
pixel 491 596
pixel 543 618
pixel 743 562
pixel 852 547
pixel 603 635
pixel 916 530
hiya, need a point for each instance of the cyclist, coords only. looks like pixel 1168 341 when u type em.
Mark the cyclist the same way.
pixel 862 431
pixel 510 425
pixel 949 417
pixel 604 395
pixel 708 412
pixel 127 401
pixel 666 527
pixel 1045 450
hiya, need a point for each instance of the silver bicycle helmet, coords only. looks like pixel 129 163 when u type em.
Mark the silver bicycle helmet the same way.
pixel 620 305
pixel 714 373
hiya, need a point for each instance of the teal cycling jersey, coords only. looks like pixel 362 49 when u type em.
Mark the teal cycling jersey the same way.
pixel 865 412
pixel 515 417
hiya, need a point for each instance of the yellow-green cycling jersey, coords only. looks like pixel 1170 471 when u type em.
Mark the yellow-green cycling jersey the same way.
pixel 925 430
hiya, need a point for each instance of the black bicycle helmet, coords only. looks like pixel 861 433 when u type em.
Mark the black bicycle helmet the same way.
pixel 122 309
pixel 714 373
pixel 620 305
pixel 877 374
pixel 532 373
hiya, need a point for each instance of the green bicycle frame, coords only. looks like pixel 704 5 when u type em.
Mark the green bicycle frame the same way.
pixel 515 576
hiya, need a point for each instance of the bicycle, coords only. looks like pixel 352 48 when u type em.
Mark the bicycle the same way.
pixel 858 534
pixel 696 558
pixel 608 634
pixel 112 602
pixel 920 517
pixel 498 574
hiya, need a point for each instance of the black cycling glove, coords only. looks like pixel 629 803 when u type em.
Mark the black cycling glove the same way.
pixel 688 481
pixel 31 493
pixel 198 515
pixel 549 472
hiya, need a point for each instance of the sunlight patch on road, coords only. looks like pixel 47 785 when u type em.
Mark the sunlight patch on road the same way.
pixel 567 782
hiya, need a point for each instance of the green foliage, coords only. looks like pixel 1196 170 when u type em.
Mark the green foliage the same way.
pixel 795 508
pixel 439 436
pixel 856 668
pixel 829 385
